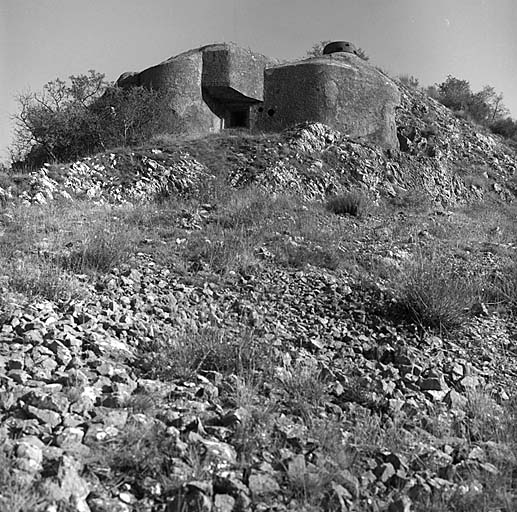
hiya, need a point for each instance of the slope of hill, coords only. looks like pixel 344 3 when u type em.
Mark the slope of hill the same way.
pixel 443 156
pixel 217 324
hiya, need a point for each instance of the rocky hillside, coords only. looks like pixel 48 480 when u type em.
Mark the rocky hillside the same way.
pixel 216 325
pixel 440 154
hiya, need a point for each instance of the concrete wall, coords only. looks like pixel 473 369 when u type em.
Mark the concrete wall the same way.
pixel 181 77
pixel 231 67
pixel 206 84
pixel 340 90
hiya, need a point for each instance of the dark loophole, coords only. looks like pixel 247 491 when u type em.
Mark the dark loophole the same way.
pixel 271 112
pixel 261 109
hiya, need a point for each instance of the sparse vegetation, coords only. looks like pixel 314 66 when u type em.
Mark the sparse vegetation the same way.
pixel 67 120
pixel 484 107
pixel 269 348
pixel 40 276
pixel 16 493
pixel 104 245
pixel 304 389
pixel 351 203
pixel 437 293
pixel 210 350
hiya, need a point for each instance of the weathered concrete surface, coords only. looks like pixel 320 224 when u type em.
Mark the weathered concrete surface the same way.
pixel 181 78
pixel 340 90
pixel 210 87
pixel 228 69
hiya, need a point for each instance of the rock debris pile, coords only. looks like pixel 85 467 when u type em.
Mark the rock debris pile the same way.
pixel 75 378
pixel 147 393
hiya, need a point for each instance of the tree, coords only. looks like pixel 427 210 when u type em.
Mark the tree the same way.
pixel 132 116
pixel 484 107
pixel 58 120
pixel 506 127
pixel 492 106
pixel 317 50
pixel 455 93
pixel 70 120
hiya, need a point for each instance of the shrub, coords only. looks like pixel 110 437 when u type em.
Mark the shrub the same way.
pixel 506 127
pixel 57 123
pixel 409 81
pixel 484 107
pixel 351 203
pixel 126 117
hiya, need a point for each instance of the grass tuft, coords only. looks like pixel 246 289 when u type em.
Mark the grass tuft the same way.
pixel 106 245
pixel 210 349
pixel 351 203
pixel 36 276
pixel 304 389
pixel 438 294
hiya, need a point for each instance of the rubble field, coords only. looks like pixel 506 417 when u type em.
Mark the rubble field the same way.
pixel 192 326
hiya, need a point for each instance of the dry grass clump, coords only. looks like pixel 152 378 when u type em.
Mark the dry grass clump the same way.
pixel 438 294
pixel 220 250
pixel 351 203
pixel 141 450
pixel 502 289
pixel 18 492
pixel 413 200
pixel 104 245
pixel 301 255
pixel 250 208
pixel 39 276
pixel 209 349
pixel 304 388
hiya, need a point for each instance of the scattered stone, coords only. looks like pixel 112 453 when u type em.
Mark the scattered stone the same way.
pixel 66 485
pixel 79 376
pixel 30 454
pixel 224 503
pixel 262 484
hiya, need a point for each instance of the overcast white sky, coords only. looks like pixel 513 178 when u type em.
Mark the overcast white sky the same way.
pixel 41 40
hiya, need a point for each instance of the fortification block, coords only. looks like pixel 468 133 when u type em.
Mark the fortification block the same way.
pixel 340 90
pixel 223 86
pixel 209 88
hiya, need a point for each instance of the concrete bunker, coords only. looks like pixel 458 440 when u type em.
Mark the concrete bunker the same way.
pixel 210 88
pixel 232 84
pixel 338 89
pixel 232 109
pixel 221 86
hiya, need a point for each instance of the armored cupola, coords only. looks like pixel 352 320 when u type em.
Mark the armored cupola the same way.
pixel 339 46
